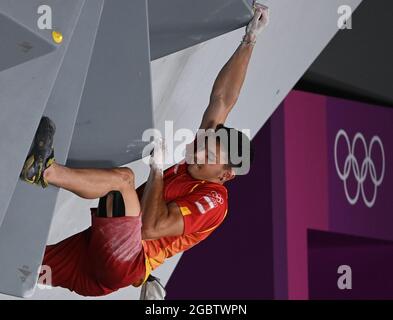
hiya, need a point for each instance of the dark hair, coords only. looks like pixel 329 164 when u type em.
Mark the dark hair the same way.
pixel 241 142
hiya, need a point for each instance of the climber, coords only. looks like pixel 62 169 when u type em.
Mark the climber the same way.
pixel 134 230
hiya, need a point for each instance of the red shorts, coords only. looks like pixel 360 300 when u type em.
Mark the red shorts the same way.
pixel 100 260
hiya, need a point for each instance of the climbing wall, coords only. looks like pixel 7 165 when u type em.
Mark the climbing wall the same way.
pixel 53 85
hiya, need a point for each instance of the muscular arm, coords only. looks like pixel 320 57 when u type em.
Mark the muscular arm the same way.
pixel 227 87
pixel 159 219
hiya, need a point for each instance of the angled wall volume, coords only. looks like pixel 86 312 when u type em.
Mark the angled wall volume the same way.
pixel 179 24
pixel 20 45
pixel 25 88
pixel 26 223
pixel 113 106
pixel 116 106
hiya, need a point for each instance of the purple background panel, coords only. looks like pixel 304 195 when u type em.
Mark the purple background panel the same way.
pixel 369 261
pixel 279 204
pixel 306 181
pixel 359 219
pixel 289 223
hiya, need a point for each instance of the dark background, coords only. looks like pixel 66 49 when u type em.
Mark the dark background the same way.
pixel 358 63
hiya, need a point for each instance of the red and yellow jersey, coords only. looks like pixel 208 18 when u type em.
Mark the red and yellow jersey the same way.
pixel 203 206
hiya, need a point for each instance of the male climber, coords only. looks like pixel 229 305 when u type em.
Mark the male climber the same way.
pixel 134 230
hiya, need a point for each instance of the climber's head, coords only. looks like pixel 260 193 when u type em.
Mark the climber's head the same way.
pixel 219 155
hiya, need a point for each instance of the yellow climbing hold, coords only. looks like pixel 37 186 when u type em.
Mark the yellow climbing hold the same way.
pixel 57 37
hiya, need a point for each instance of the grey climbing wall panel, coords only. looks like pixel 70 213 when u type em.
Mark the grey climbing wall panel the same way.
pixel 27 221
pixel 117 101
pixel 179 24
pixel 20 45
pixel 25 88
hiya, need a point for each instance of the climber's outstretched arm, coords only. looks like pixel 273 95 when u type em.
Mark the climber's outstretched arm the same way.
pixel 226 88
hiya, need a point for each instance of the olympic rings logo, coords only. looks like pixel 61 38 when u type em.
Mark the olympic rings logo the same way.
pixel 218 197
pixel 360 172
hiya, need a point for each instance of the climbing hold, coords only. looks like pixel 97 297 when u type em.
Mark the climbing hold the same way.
pixel 57 37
